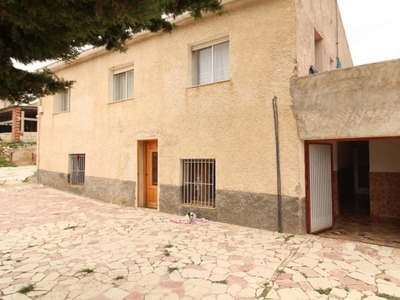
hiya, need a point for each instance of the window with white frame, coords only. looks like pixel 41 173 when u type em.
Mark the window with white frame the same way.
pixel 62 101
pixel 199 182
pixel 122 85
pixel 76 175
pixel 210 63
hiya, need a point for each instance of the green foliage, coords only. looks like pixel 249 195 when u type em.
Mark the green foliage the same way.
pixel 288 237
pixel 221 281
pixel 4 162
pixel 58 29
pixel 26 289
pixel 70 227
pixel 386 296
pixel 86 270
pixel 119 277
pixel 324 291
pixel 15 144
pixel 171 269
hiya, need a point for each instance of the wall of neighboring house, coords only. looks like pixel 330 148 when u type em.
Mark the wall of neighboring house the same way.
pixel 230 121
pixel 384 177
pixel 357 102
pixel 321 37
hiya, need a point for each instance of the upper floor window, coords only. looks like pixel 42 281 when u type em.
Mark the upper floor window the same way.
pixel 210 63
pixel 62 101
pixel 122 85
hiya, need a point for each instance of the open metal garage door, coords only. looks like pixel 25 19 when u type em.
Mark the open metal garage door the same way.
pixel 320 205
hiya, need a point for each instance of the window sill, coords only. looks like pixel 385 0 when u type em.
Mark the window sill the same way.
pixel 119 101
pixel 61 112
pixel 198 206
pixel 207 84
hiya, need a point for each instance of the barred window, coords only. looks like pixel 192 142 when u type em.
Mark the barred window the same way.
pixel 199 182
pixel 76 174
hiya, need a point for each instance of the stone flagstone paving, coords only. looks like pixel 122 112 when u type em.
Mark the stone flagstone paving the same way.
pixel 70 247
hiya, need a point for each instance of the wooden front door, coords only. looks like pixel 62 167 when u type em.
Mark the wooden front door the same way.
pixel 151 179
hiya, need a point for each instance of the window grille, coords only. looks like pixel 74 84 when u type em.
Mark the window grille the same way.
pixel 199 182
pixel 123 85
pixel 76 174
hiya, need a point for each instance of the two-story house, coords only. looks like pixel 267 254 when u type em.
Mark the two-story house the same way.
pixel 187 121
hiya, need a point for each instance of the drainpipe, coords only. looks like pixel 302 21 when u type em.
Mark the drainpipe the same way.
pixel 338 63
pixel 38 144
pixel 278 164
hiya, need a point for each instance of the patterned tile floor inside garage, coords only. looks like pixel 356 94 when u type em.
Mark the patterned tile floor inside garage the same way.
pixel 366 229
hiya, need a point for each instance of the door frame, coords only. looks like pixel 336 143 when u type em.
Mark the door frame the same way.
pixel 307 183
pixel 356 162
pixel 141 173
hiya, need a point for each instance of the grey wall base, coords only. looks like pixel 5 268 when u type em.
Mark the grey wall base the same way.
pixel 257 210
pixel 105 189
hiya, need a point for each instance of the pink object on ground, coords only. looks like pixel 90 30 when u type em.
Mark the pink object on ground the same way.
pixel 183 221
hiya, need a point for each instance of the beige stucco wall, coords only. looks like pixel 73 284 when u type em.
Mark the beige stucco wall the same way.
pixel 231 121
pixel 384 155
pixel 356 102
pixel 323 17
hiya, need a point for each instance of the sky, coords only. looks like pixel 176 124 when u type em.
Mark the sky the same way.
pixel 372 28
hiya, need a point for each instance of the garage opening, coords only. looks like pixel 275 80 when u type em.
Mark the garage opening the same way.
pixel 366 191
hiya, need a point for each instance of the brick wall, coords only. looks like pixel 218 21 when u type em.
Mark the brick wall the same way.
pixel 16 124
pixel 385 194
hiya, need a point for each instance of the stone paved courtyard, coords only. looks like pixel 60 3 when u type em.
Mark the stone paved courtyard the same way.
pixel 68 247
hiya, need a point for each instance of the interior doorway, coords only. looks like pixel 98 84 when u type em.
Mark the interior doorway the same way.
pixel 148 174
pixel 353 166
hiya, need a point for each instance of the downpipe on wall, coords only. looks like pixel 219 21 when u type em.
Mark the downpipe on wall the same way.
pixel 278 164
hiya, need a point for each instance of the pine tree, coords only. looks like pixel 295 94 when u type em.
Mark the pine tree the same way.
pixel 40 30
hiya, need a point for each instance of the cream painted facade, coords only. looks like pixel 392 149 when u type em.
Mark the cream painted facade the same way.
pixel 231 121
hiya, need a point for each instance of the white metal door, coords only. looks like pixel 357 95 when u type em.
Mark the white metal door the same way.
pixel 320 172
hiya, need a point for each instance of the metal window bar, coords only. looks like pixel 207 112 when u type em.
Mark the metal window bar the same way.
pixel 199 182
pixel 77 169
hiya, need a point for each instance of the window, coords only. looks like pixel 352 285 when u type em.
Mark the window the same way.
pixel 199 182
pixel 319 51
pixel 62 101
pixel 76 174
pixel 122 85
pixel 210 63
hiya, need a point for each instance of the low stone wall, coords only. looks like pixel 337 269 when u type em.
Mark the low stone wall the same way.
pixel 28 137
pixel 6 137
pixel 19 154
